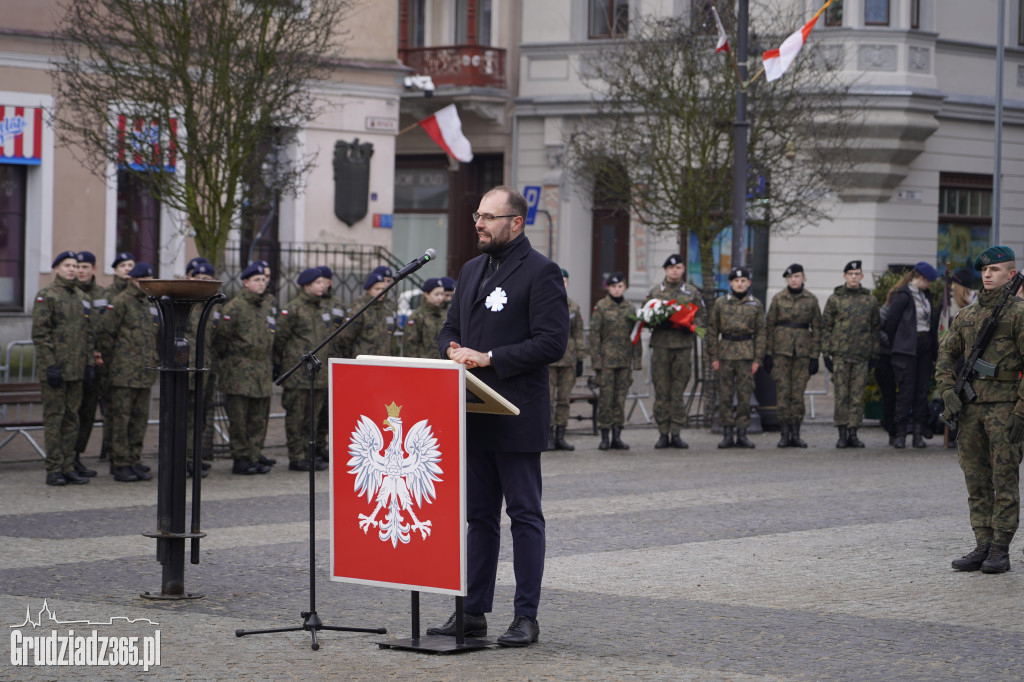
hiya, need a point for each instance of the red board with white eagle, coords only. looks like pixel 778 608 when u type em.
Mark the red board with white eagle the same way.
pixel 397 486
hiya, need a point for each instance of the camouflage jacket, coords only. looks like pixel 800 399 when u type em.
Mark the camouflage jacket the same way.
pixel 1005 350
pixel 95 293
pixel 209 354
pixel 117 286
pixel 575 350
pixel 129 338
pixel 244 343
pixel 62 329
pixel 785 339
pixel 667 336
pixel 850 324
pixel 610 343
pixel 419 338
pixel 302 325
pixel 370 333
pixel 740 323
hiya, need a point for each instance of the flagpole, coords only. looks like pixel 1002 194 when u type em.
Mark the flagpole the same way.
pixel 739 145
pixel 407 129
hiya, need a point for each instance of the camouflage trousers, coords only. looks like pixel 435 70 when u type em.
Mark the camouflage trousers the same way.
pixel 734 377
pixel 128 420
pixel 560 383
pixel 991 466
pixel 296 421
pixel 611 402
pixel 87 410
pixel 247 425
pixel 670 373
pixel 790 376
pixel 849 376
pixel 60 424
pixel 209 395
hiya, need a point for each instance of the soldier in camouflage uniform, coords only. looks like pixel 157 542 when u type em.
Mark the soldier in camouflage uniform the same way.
pixel 336 309
pixel 736 343
pixel 424 325
pixel 672 353
pixel 850 329
pixel 562 374
pixel 615 358
pixel 63 339
pixel 199 268
pixel 92 383
pixel 129 340
pixel 301 326
pixel 992 426
pixel 793 330
pixel 123 263
pixel 449 290
pixel 372 332
pixel 244 341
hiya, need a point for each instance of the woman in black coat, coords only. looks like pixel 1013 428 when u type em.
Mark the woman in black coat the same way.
pixel 912 328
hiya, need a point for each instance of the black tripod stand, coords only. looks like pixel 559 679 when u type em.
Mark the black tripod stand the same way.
pixel 310 620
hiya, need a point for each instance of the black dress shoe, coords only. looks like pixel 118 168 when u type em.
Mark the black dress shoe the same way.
pixel 472 626
pixel 55 478
pixel 125 474
pixel 523 631
pixel 142 471
pixel 73 478
pixel 81 469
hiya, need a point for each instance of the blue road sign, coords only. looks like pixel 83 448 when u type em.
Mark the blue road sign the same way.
pixel 532 194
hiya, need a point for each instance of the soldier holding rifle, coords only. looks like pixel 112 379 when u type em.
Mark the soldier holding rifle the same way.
pixel 987 397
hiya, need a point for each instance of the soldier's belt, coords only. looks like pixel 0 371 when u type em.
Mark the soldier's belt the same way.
pixel 726 337
pixel 794 325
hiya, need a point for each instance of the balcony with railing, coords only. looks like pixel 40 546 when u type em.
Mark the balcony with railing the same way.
pixel 480 66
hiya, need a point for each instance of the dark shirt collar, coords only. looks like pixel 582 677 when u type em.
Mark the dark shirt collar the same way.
pixel 500 256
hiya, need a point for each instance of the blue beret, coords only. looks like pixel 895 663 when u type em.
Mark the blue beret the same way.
pixel 674 259
pixel 615 278
pixel 326 272
pixel 64 255
pixel 142 269
pixel 372 279
pixel 994 254
pixel 255 268
pixel 122 257
pixel 431 284
pixel 86 257
pixel 964 277
pixel 205 269
pixel 190 268
pixel 382 270
pixel 308 276
pixel 926 271
pixel 448 283
pixel 261 262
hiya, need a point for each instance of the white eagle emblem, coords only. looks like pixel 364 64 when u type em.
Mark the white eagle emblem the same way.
pixel 395 478
pixel 496 300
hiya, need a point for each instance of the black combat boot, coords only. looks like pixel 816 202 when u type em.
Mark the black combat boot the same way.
pixel 918 437
pixel 604 445
pixel 662 442
pixel 617 443
pixel 783 436
pixel 998 560
pixel 677 442
pixel 844 437
pixel 794 436
pixel 741 439
pixel 81 469
pixel 727 441
pixel 560 442
pixel 899 439
pixel 974 560
pixel 852 439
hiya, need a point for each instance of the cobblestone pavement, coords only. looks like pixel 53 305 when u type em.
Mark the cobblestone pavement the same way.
pixel 662 565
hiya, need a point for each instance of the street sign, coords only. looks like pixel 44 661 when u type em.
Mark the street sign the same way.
pixel 532 194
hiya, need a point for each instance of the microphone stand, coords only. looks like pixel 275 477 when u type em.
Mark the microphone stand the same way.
pixel 310 620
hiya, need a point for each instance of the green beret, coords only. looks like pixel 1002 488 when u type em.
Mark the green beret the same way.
pixel 994 254
pixel 565 273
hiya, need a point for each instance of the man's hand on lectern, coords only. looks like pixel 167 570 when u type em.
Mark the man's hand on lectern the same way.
pixel 467 356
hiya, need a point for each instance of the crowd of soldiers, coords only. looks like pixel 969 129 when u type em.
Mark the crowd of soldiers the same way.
pixel 96 347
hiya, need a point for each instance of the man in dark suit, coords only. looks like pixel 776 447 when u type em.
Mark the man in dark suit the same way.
pixel 508 320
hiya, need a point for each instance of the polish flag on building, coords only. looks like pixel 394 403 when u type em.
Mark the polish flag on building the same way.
pixel 776 62
pixel 445 128
pixel 723 39
pixel 21 135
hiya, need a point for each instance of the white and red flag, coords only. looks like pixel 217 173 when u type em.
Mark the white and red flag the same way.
pixel 776 61
pixel 445 128
pixel 723 39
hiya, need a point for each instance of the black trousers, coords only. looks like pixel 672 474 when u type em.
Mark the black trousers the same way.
pixel 886 379
pixel 913 377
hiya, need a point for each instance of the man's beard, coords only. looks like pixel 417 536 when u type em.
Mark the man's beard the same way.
pixel 491 247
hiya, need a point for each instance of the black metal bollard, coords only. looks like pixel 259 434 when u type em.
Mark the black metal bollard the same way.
pixel 175 300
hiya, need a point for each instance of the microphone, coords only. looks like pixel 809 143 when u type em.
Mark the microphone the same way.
pixel 415 265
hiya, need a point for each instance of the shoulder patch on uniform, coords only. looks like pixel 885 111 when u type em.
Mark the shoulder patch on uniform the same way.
pixel 227 317
pixel 40 299
pixel 284 311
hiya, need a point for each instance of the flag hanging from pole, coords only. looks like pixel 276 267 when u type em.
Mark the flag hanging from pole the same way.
pixel 445 128
pixel 723 39
pixel 776 61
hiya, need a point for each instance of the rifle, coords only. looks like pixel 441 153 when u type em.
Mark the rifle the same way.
pixel 974 365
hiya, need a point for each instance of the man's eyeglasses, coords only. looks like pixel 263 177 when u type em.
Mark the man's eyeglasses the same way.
pixel 488 218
